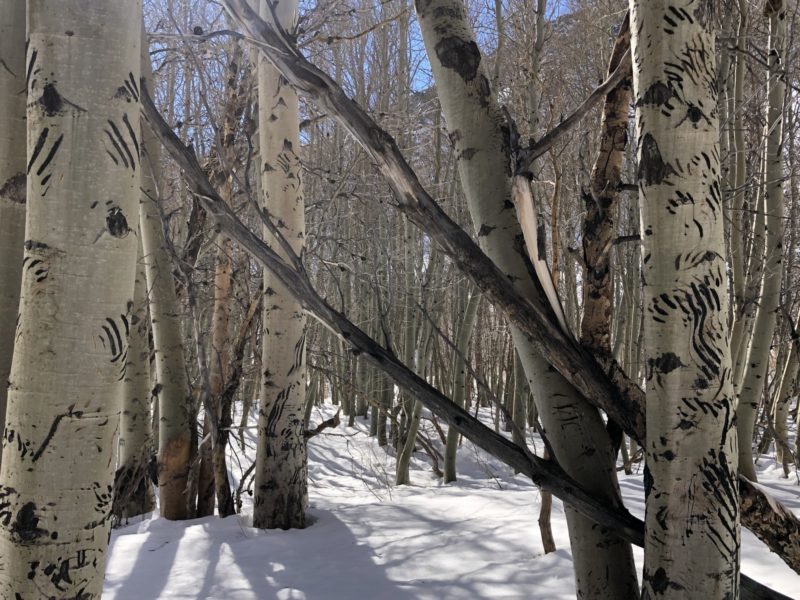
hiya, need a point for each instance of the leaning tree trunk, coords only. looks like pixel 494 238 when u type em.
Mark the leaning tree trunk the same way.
pixel 692 516
pixel 603 564
pixel 12 179
pixel 171 389
pixel 769 303
pixel 77 288
pixel 281 458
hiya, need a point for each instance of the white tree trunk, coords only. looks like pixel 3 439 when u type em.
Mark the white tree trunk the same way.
pixel 12 179
pixel 692 516
pixel 281 492
pixel 77 288
pixel 171 389
pixel 770 299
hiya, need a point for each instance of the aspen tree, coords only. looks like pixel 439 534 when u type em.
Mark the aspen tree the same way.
pixel 77 288
pixel 281 487
pixel 171 389
pixel 692 516
pixel 770 298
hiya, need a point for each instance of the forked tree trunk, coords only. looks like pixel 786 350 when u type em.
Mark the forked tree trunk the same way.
pixel 12 179
pixel 764 329
pixel 281 493
pixel 603 564
pixel 77 290
pixel 171 388
pixel 692 516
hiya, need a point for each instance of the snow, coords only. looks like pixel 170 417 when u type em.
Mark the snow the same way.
pixel 476 538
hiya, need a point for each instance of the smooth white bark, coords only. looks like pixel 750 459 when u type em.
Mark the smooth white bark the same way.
pixel 77 288
pixel 692 517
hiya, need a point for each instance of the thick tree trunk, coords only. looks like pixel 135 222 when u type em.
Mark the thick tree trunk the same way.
pixel 282 464
pixel 171 388
pixel 692 517
pixel 218 369
pixel 77 290
pixel 12 179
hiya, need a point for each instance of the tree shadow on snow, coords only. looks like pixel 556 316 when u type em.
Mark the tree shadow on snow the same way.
pixel 220 559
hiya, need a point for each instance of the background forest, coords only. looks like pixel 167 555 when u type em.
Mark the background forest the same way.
pixel 441 262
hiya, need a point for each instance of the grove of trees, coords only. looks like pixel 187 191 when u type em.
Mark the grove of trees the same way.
pixel 581 214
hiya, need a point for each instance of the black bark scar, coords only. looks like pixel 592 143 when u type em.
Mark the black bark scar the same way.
pixel 459 55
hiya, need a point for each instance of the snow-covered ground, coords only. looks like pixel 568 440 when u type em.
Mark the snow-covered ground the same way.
pixel 477 538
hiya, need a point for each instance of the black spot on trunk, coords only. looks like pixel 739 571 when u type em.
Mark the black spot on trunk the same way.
pixel 485 230
pixel 652 168
pixel 51 100
pixel 34 245
pixel 117 223
pixel 648 481
pixel 26 525
pixel 14 189
pixel 657 94
pixel 461 56
pixel 694 114
pixel 666 363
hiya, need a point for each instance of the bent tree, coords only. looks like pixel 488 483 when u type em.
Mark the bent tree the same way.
pixel 692 517
pixel 78 272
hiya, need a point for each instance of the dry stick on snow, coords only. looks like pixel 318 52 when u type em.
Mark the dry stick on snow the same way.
pixel 548 475
pixel 607 387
